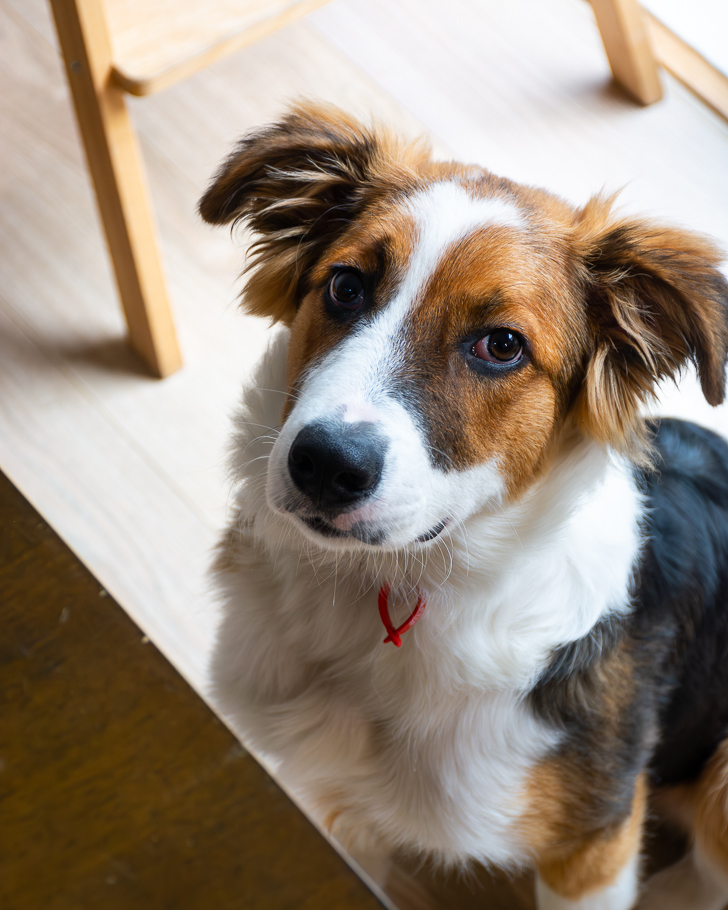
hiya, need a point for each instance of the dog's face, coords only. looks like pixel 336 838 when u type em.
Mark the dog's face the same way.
pixel 449 330
pixel 425 368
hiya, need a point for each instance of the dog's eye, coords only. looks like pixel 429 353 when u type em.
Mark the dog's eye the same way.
pixel 346 289
pixel 501 346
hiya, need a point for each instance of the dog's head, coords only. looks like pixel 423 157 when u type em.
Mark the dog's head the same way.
pixel 449 329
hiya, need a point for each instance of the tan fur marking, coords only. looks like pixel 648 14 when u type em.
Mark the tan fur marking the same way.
pixel 711 816
pixel 656 300
pixel 298 184
pixel 594 862
pixel 609 306
pixel 701 807
pixel 492 279
pixel 312 335
pixel 583 822
pixel 226 552
pixel 313 332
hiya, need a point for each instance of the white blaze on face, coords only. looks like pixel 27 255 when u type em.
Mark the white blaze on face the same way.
pixel 442 215
pixel 351 384
pixel 445 214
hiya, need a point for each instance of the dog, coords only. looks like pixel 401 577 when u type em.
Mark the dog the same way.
pixel 475 603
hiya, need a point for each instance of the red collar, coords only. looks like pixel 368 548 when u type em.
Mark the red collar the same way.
pixel 395 634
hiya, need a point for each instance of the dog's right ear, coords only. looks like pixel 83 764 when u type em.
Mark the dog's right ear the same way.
pixel 297 184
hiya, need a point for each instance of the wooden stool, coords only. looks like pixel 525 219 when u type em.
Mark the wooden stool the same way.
pixel 139 46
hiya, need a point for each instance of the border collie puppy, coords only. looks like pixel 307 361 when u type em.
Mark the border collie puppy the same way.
pixel 475 605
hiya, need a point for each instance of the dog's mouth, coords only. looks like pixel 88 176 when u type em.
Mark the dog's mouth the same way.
pixel 361 533
pixel 433 532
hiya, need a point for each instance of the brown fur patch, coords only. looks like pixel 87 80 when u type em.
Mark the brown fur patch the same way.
pixel 701 807
pixel 312 335
pixel 375 246
pixel 609 306
pixel 585 804
pixel 495 278
pixel 711 816
pixel 594 861
pixel 299 183
pixel 490 280
pixel 655 300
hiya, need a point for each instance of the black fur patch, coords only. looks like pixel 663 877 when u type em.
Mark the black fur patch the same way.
pixel 683 593
pixel 650 690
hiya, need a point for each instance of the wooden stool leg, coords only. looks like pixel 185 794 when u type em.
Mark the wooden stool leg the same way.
pixel 626 41
pixel 116 171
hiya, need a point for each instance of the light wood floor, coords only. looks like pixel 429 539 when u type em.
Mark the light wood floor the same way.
pixel 130 471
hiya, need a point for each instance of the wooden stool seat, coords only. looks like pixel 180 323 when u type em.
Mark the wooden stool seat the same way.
pixel 154 44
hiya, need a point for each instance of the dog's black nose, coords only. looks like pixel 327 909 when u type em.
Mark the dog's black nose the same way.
pixel 335 465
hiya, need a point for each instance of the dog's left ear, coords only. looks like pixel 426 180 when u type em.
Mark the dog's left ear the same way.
pixel 655 300
pixel 298 184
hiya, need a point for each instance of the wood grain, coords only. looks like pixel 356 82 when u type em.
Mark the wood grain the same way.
pixel 118 787
pixel 155 44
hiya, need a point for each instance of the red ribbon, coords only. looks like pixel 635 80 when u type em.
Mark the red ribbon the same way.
pixel 395 634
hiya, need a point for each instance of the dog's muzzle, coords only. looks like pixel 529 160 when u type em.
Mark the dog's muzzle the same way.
pixel 337 465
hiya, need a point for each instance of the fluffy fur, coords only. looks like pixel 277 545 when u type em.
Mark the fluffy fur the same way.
pixel 453 408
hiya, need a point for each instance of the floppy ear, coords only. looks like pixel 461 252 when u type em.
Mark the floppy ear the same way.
pixel 655 300
pixel 298 184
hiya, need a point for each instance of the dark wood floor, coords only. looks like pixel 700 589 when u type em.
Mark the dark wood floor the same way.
pixel 118 787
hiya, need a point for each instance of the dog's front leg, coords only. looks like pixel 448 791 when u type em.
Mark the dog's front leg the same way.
pixel 620 894
pixel 601 873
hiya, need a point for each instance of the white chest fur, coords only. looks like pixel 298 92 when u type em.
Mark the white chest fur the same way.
pixel 371 735
pixel 429 746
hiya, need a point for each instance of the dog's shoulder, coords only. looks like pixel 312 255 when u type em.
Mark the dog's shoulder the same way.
pixel 650 685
